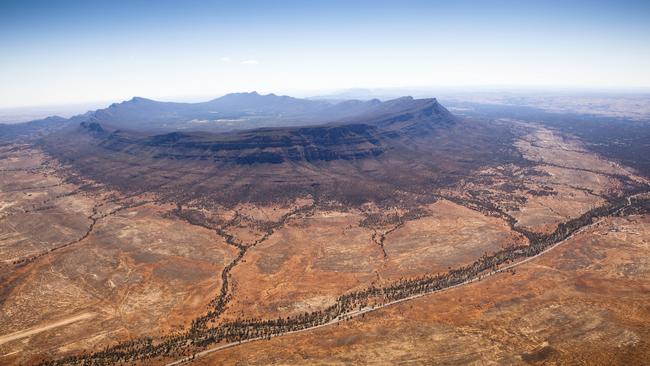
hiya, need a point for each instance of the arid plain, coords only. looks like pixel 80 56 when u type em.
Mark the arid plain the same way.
pixel 85 267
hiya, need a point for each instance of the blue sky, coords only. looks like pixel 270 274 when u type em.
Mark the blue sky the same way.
pixel 57 52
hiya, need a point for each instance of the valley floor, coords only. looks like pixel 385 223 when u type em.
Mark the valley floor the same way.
pixel 582 303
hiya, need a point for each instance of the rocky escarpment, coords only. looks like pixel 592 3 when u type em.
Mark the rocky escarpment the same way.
pixel 271 146
pixel 356 138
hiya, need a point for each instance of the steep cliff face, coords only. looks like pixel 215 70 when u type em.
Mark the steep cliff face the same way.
pixel 272 146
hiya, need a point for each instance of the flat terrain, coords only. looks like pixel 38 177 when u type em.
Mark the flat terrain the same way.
pixel 86 268
pixel 308 263
pixel 582 303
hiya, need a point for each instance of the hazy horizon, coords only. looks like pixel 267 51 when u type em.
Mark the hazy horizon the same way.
pixel 638 98
pixel 70 53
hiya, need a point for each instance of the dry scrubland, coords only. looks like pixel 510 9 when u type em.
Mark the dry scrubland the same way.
pixel 84 267
pixel 123 262
pixel 585 302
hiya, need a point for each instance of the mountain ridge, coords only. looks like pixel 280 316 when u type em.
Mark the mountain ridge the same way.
pixel 402 144
pixel 242 111
pixel 357 138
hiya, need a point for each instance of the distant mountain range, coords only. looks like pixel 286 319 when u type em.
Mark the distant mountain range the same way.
pixel 354 129
pixel 251 147
pixel 236 111
pixel 31 129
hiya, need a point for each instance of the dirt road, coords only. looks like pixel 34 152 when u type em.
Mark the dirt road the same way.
pixel 35 330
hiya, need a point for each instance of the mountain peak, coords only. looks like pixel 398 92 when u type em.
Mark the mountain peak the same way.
pixel 140 100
